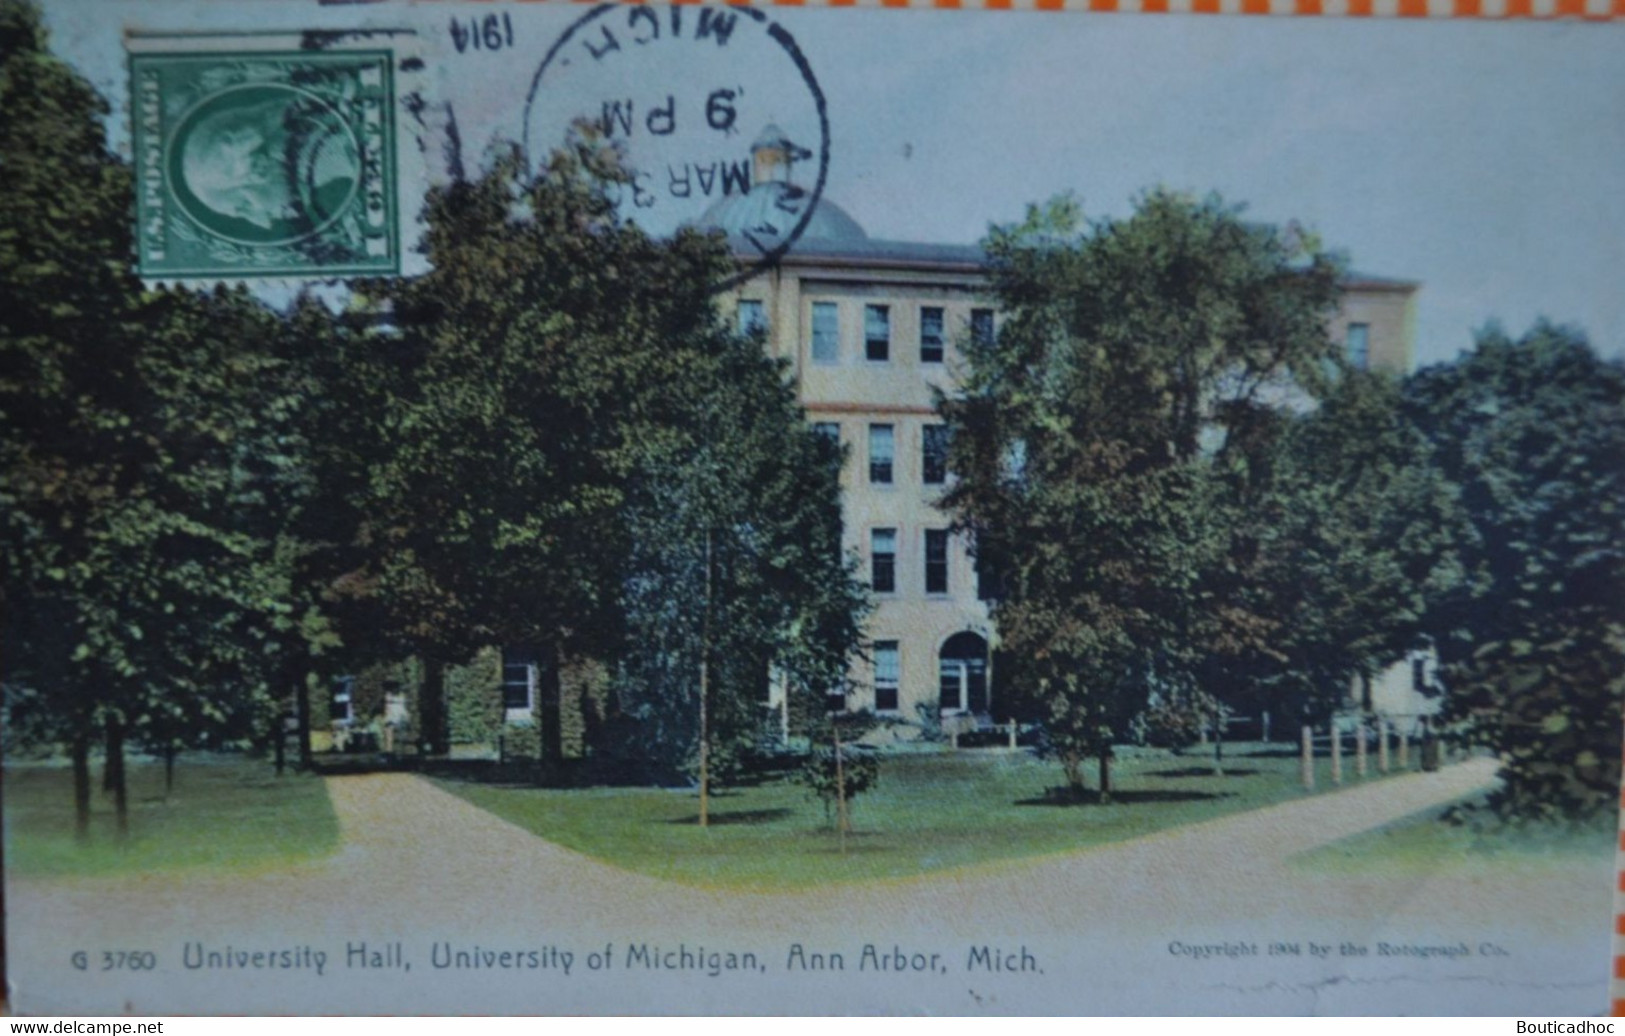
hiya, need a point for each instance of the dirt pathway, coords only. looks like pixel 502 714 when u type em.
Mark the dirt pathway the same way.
pixel 422 866
pixel 414 854
pixel 420 836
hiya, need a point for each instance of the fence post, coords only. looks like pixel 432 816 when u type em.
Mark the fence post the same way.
pixel 1337 752
pixel 1012 735
pixel 1382 745
pixel 1308 767
pixel 1359 747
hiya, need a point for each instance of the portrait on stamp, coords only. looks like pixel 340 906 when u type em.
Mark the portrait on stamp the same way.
pixel 262 164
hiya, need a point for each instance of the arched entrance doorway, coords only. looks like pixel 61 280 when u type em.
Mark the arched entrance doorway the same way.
pixel 962 673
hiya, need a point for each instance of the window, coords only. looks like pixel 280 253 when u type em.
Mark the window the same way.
pixel 826 333
pixel 1359 346
pixel 835 699
pixel 752 316
pixel 830 430
pixel 962 674
pixel 1419 673
pixel 1013 462
pixel 936 561
pixel 988 583
pixel 338 710
pixel 934 454
pixel 883 560
pixel 882 450
pixel 981 326
pixel 518 683
pixel 887 674
pixel 930 334
pixel 877 333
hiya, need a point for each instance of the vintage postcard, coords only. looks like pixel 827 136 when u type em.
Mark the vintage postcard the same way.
pixel 671 509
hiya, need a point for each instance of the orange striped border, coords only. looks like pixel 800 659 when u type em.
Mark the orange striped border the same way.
pixel 1491 10
pixel 1617 1007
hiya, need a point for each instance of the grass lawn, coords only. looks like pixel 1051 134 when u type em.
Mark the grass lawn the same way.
pixel 1427 844
pixel 225 812
pixel 929 811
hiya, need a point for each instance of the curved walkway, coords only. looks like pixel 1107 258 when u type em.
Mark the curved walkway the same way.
pixel 419 863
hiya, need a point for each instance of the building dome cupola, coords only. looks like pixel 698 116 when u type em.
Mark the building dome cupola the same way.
pixel 772 154
pixel 773 158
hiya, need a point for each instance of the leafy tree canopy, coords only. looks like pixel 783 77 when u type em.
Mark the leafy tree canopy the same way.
pixel 1132 353
pixel 1532 431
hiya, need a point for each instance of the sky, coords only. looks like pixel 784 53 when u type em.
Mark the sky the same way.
pixel 1485 161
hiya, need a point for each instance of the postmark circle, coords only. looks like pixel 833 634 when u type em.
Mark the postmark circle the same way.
pixel 263 164
pixel 651 75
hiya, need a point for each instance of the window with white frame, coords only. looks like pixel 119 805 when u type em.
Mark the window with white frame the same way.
pixel 518 683
pixel 1358 346
pixel 883 560
pixel 888 674
pixel 981 326
pixel 340 708
pixel 930 334
pixel 877 333
pixel 989 584
pixel 934 454
pixel 936 561
pixel 752 316
pixel 882 453
pixel 835 698
pixel 826 332
pixel 830 430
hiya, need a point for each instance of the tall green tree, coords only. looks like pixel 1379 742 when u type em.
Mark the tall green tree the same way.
pixel 64 286
pixel 737 575
pixel 139 599
pixel 1532 432
pixel 564 424
pixel 1339 537
pixel 1132 352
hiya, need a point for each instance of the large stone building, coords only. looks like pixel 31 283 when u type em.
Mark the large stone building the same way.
pixel 870 330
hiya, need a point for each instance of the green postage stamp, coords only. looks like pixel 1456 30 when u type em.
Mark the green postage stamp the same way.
pixel 265 163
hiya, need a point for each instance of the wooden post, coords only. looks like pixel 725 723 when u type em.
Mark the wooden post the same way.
pixel 301 711
pixel 1012 735
pixel 1382 745
pixel 705 701
pixel 1359 747
pixel 1404 748
pixel 1308 758
pixel 115 768
pixel 840 785
pixel 1337 753
pixel 79 749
